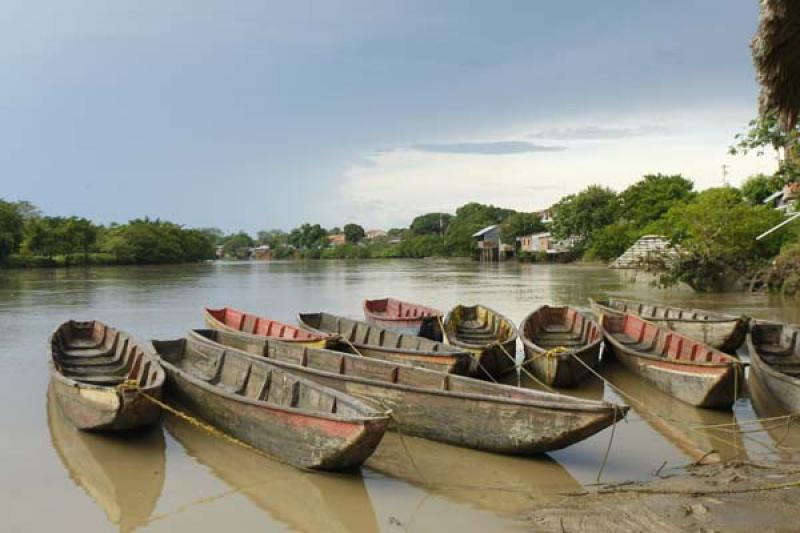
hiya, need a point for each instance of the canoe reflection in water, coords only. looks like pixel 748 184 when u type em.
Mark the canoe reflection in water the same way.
pixel 304 501
pixel 123 473
pixel 784 433
pixel 498 483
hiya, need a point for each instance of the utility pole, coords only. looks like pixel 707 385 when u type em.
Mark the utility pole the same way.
pixel 724 175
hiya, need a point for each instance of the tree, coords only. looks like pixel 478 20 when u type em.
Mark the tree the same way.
pixel 11 229
pixel 652 196
pixel 579 216
pixel 430 224
pixel 611 241
pixel 716 234
pixel 308 236
pixel 470 218
pixel 145 241
pixel 238 245
pixel 519 224
pixel 353 233
pixel 757 188
pixel 215 234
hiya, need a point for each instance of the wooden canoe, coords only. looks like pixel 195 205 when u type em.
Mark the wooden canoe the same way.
pixel 718 330
pixel 435 405
pixel 775 360
pixel 88 362
pixel 283 415
pixel 123 474
pixel 404 317
pixel 488 335
pixel 553 337
pixel 374 341
pixel 236 320
pixel 678 365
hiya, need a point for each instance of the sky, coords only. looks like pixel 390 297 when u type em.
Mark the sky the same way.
pixel 257 114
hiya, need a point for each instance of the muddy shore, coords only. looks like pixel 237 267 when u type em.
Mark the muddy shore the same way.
pixel 734 496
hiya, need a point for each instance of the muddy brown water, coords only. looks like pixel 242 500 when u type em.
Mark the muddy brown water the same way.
pixel 177 477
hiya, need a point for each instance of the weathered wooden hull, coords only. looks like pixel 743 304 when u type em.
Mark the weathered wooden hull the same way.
pixel 310 340
pixel 295 439
pixel 91 377
pixel 404 317
pixel 439 406
pixel 546 331
pixel 710 385
pixel 720 331
pixel 374 341
pixel 488 335
pixel 775 362
pixel 125 476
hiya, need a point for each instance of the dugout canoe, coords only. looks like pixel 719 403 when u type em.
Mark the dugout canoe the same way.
pixel 235 320
pixel 676 364
pixel 553 337
pixel 374 341
pixel 285 416
pixel 435 405
pixel 96 370
pixel 488 335
pixel 404 317
pixel 718 330
pixel 122 473
pixel 775 360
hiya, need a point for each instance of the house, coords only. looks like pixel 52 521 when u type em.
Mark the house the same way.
pixel 490 247
pixel 537 243
pixel 545 215
pixel 336 239
pixel 261 253
pixel 375 234
pixel 785 199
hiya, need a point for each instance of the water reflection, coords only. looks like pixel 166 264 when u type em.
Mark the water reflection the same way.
pixel 500 483
pixel 124 474
pixel 784 434
pixel 305 501
pixel 683 425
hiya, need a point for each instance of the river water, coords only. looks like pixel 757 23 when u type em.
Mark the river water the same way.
pixel 177 477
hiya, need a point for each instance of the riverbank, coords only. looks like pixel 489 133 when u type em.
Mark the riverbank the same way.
pixel 734 496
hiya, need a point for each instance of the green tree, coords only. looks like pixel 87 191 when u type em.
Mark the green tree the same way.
pixel 11 229
pixel 308 236
pixel 238 245
pixel 652 196
pixel 519 224
pixel 716 234
pixel 430 224
pixel 216 235
pixel 146 241
pixel 579 216
pixel 757 188
pixel 609 242
pixel 353 233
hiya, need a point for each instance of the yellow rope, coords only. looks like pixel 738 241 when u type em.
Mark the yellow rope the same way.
pixel 131 384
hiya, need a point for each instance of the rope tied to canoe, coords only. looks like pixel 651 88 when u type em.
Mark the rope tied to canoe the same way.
pixel 133 385
pixel 521 368
pixel 476 358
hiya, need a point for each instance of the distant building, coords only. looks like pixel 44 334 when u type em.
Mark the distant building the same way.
pixel 544 242
pixel 785 199
pixel 261 253
pixel 219 251
pixel 375 234
pixel 490 247
pixel 641 250
pixel 337 239
pixel 545 215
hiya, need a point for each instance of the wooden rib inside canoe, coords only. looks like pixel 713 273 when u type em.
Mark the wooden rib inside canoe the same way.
pixel 88 360
pixel 444 407
pixel 404 317
pixel 370 340
pixel 718 330
pixel 491 337
pixel 553 337
pixel 775 359
pixel 689 370
pixel 280 413
pixel 236 320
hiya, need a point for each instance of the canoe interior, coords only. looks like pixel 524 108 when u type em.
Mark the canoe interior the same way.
pixel 95 354
pixel 552 327
pixel 663 312
pixel 778 348
pixel 638 335
pixel 391 309
pixel 363 334
pixel 234 374
pixel 390 374
pixel 256 325
pixel 478 326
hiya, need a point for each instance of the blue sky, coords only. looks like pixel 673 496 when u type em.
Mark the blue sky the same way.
pixel 259 115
